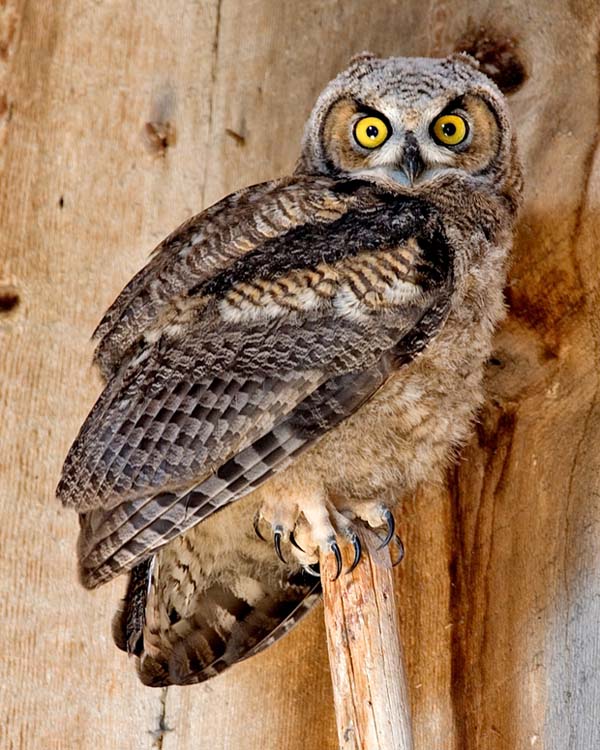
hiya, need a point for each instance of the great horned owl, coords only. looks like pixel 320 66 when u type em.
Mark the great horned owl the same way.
pixel 296 357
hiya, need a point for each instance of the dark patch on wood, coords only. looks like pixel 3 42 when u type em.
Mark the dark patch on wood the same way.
pixel 557 296
pixel 547 289
pixel 9 298
pixel 528 361
pixel 587 169
pixel 159 733
pixel 467 567
pixel 499 57
pixel 213 83
pixel 61 202
pixel 160 136
pixel 458 656
pixel 8 29
pixel 237 137
pixel 498 441
pixel 549 353
pixel 493 422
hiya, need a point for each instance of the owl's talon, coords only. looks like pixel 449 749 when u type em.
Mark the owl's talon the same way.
pixel 294 542
pixel 333 547
pixel 277 536
pixel 311 571
pixel 388 517
pixel 355 540
pixel 316 524
pixel 256 527
pixel 400 545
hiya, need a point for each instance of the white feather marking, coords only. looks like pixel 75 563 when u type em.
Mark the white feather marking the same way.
pixel 268 307
pixel 173 329
pixel 347 304
pixel 248 589
pixel 151 335
pixel 402 292
pixel 244 311
pixel 308 299
pixel 224 619
pixel 267 230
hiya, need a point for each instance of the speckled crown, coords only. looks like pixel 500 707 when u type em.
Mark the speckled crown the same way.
pixel 415 81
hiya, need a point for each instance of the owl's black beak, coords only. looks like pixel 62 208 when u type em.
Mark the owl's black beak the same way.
pixel 412 161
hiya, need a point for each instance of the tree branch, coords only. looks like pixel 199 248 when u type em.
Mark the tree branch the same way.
pixel 365 654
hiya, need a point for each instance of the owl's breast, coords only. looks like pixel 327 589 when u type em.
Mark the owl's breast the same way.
pixel 410 429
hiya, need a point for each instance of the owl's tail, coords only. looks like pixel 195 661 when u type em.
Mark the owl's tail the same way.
pixel 187 622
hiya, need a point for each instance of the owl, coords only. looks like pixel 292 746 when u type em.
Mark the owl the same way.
pixel 292 361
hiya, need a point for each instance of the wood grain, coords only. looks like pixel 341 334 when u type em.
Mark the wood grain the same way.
pixel 500 586
pixel 372 706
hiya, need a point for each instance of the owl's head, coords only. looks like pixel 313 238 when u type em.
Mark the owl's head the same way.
pixel 411 121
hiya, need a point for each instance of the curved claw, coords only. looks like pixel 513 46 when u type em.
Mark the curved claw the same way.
pixel 295 543
pixel 357 552
pixel 311 571
pixel 338 559
pixel 400 545
pixel 256 529
pixel 277 536
pixel 391 527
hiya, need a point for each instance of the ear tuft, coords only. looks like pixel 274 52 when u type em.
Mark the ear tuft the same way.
pixel 361 57
pixel 466 59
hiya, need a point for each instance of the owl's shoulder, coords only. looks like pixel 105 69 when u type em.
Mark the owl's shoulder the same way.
pixel 278 225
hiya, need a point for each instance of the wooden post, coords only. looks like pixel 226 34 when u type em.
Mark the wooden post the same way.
pixel 365 655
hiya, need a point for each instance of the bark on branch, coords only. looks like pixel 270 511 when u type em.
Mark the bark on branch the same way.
pixel 365 654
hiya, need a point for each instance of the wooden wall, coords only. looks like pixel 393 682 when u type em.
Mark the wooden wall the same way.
pixel 120 119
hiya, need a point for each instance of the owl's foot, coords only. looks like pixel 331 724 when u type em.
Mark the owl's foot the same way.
pixel 301 530
pixel 304 529
pixel 377 516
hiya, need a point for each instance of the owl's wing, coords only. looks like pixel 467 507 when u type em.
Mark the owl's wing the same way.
pixel 186 625
pixel 224 381
pixel 208 244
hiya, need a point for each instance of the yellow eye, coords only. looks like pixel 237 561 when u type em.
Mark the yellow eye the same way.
pixel 450 130
pixel 371 132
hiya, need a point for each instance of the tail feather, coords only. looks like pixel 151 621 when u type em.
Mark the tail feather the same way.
pixel 196 610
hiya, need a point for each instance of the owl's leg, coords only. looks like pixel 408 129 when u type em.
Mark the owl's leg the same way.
pixel 299 519
pixel 374 513
pixel 324 528
pixel 302 522
pixel 306 521
pixel 378 516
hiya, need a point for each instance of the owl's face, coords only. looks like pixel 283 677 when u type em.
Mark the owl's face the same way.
pixel 409 121
pixel 410 144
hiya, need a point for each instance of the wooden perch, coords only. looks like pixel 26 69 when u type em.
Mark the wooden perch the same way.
pixel 365 654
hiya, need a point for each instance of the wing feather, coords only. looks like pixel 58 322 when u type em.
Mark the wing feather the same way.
pixel 207 244
pixel 235 350
pixel 115 539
